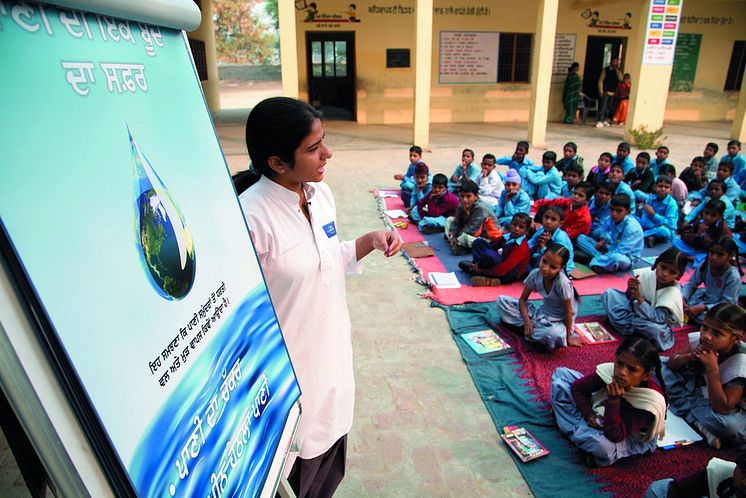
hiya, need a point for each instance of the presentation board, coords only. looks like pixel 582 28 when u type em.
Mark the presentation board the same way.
pixel 121 222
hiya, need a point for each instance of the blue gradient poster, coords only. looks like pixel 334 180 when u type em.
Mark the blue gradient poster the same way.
pixel 117 201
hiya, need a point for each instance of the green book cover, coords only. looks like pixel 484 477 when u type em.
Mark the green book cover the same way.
pixel 486 343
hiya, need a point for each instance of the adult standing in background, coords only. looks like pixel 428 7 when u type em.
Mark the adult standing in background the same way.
pixel 571 92
pixel 608 82
pixel 291 215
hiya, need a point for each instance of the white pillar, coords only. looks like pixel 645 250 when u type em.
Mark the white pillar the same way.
pixel 541 75
pixel 422 72
pixel 288 48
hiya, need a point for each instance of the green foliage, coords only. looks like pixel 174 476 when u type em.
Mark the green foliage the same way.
pixel 645 139
pixel 245 31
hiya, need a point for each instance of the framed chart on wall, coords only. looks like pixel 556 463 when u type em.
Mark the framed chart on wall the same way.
pixel 122 231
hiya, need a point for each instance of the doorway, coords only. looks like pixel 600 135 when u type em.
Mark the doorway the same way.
pixel 598 54
pixel 330 58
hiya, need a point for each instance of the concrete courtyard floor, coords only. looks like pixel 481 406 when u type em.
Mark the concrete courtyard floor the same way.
pixel 420 427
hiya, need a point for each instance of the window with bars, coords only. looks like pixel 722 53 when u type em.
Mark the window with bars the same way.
pixel 736 66
pixel 329 59
pixel 514 58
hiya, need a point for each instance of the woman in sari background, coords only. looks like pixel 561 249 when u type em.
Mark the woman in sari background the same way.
pixel 571 92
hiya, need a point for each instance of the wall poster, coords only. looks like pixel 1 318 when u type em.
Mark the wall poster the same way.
pixel 564 55
pixel 119 207
pixel 468 57
pixel 661 30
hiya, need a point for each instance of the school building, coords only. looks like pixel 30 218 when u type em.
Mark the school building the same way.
pixel 501 60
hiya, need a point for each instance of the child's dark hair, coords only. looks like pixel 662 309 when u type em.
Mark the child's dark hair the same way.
pixel 668 180
pixel 734 142
pixel 727 244
pixel 727 164
pixel 469 187
pixel 667 169
pixel 572 145
pixel 523 144
pixel 663 147
pixel 549 156
pixel 440 179
pixel 586 187
pixel 555 209
pixel 617 166
pixel 644 155
pixel 469 151
pixel 489 156
pixel 716 205
pixel 699 159
pixel 607 155
pixel 620 200
pixel 574 167
pixel 729 314
pixel 624 146
pixel 564 254
pixel 643 350
pixel 606 185
pixel 416 149
pixel 713 146
pixel 674 257
pixel 523 218
pixel 716 181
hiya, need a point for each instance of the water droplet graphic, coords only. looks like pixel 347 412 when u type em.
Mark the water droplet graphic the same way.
pixel 163 239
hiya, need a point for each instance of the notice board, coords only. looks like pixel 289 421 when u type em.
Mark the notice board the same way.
pixel 120 220
pixel 468 57
pixel 685 62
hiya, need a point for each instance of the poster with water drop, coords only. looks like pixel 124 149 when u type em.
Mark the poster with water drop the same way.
pixel 120 210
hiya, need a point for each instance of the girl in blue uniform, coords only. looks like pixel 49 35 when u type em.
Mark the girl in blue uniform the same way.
pixel 617 411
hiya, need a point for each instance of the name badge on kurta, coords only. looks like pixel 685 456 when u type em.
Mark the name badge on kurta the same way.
pixel 330 229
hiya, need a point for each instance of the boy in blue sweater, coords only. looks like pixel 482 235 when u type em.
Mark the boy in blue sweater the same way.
pixel 518 159
pixel 513 199
pixel 550 231
pixel 466 170
pixel 622 156
pixel 600 208
pixel 734 156
pixel 621 243
pixel 661 158
pixel 660 213
pixel 407 179
pixel 543 182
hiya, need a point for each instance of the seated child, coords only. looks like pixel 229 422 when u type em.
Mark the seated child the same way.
pixel 651 306
pixel 551 323
pixel 570 156
pixel 618 185
pixel 734 156
pixel 697 237
pixel 513 199
pixel 600 207
pixel 422 185
pixel 694 176
pixel 621 239
pixel 679 192
pixel 518 159
pixel 465 170
pixel 661 158
pixel 706 382
pixel 473 218
pixel 600 172
pixel 503 260
pixel 489 182
pixel 617 411
pixel 550 231
pixel 711 160
pixel 622 157
pixel 659 216
pixel 719 478
pixel 715 191
pixel 577 214
pixel 435 207
pixel 572 176
pixel 407 179
pixel 542 182
pixel 721 273
pixel 725 175
pixel 640 178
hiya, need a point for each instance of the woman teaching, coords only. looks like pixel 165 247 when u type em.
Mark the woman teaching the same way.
pixel 291 215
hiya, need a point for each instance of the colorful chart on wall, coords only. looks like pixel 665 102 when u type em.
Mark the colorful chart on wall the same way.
pixel 120 210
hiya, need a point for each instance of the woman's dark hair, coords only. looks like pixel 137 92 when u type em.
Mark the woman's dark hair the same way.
pixel 674 257
pixel 573 67
pixel 643 350
pixel 276 127
pixel 729 246
pixel 730 315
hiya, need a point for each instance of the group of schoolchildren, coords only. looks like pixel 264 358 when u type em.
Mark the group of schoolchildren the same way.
pixel 605 221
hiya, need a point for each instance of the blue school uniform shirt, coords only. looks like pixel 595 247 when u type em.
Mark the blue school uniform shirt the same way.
pixel 548 184
pixel 627 163
pixel 625 237
pixel 624 188
pixel 512 164
pixel 666 211
pixel 655 166
pixel 729 216
pixel 553 303
pixel 566 190
pixel 418 195
pixel 739 165
pixel 408 182
pixel 599 213
pixel 472 172
pixel 558 237
pixel 732 191
pixel 723 289
pixel 505 210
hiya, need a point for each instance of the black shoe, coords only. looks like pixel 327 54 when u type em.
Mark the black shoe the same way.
pixel 465 265
pixel 650 241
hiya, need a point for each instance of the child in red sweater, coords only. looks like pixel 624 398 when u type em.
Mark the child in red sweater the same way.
pixel 577 215
pixel 503 260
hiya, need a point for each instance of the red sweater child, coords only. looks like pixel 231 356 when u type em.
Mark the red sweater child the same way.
pixel 577 220
pixel 444 205
pixel 509 266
